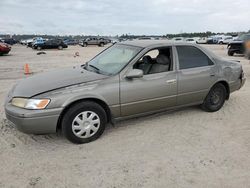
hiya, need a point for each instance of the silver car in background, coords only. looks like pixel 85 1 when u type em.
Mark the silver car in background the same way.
pixel 128 79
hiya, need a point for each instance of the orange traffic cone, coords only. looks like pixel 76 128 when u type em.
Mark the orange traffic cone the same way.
pixel 26 69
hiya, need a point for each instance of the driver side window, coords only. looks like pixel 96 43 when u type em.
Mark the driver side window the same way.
pixel 155 61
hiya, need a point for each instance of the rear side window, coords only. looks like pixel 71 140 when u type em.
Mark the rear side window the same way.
pixel 191 57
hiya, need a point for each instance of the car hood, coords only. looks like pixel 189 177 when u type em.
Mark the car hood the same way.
pixel 49 81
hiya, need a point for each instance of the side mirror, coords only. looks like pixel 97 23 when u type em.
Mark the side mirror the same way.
pixel 134 73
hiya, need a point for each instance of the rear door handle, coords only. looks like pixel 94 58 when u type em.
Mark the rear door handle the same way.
pixel 171 81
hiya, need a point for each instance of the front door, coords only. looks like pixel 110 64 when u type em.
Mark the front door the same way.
pixel 156 90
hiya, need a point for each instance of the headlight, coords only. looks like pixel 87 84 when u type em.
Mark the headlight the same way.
pixel 33 104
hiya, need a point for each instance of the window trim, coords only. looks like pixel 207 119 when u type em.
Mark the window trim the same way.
pixel 177 57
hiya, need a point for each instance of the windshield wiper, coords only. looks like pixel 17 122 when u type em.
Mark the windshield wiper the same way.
pixel 95 68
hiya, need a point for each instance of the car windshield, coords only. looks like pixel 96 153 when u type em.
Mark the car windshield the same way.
pixel 112 60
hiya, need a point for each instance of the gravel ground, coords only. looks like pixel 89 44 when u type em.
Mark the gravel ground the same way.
pixel 183 148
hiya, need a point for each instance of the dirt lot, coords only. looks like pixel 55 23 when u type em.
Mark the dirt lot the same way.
pixel 184 148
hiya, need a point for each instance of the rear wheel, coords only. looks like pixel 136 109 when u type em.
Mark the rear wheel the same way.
pixel 215 98
pixel 101 44
pixel 84 122
pixel 39 48
pixel 230 53
pixel 60 47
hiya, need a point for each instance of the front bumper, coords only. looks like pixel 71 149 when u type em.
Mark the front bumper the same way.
pixel 5 51
pixel 33 121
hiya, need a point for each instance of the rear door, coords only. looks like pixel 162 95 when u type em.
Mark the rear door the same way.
pixel 196 75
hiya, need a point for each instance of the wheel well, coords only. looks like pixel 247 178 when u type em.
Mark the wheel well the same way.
pixel 227 88
pixel 98 101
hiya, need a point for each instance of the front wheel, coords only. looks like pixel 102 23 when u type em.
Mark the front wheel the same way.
pixel 84 122
pixel 215 98
pixel 60 47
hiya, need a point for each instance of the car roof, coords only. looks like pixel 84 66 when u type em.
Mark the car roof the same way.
pixel 154 43
pixel 162 43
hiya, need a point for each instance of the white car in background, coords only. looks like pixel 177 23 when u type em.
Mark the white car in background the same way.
pixel 26 41
pixel 202 40
pixel 178 39
pixel 225 40
pixel 190 40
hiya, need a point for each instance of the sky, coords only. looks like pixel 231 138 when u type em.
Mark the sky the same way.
pixel 115 17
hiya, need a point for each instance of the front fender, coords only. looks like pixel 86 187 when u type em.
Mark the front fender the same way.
pixel 75 98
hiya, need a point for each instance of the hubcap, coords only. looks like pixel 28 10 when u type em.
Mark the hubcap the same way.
pixel 215 97
pixel 86 124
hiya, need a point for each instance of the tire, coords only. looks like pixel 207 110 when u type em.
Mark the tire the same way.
pixel 85 44
pixel 230 53
pixel 60 47
pixel 39 48
pixel 220 42
pixel 215 98
pixel 101 44
pixel 89 129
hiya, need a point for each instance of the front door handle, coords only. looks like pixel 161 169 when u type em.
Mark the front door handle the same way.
pixel 171 81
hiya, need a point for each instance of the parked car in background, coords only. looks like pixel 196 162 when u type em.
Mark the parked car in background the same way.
pixel 9 41
pixel 51 44
pixel 225 40
pixel 178 39
pixel 238 46
pixel 115 40
pixel 190 40
pixel 4 48
pixel 128 79
pixel 26 41
pixel 36 40
pixel 213 39
pixel 93 41
pixel 145 38
pixel 202 40
pixel 108 40
pixel 71 41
